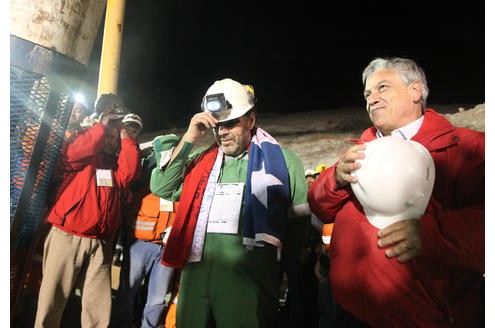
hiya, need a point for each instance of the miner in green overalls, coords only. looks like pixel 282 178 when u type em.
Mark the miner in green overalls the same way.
pixel 242 213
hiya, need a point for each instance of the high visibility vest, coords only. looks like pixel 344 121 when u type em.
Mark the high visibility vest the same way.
pixel 326 235
pixel 151 220
pixel 170 321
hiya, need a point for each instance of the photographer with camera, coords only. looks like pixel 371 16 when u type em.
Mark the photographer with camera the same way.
pixel 97 164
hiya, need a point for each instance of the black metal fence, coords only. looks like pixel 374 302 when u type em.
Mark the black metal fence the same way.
pixel 40 106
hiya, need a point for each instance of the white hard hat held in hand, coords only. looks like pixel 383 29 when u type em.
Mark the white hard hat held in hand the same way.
pixel 395 180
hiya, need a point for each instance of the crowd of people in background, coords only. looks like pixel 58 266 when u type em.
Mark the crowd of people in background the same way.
pixel 240 234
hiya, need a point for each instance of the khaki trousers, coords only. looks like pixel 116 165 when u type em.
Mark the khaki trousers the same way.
pixel 66 259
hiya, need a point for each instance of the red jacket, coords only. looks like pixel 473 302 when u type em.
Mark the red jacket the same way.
pixel 443 284
pixel 82 208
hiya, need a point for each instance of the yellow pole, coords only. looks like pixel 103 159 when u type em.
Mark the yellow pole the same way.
pixel 112 42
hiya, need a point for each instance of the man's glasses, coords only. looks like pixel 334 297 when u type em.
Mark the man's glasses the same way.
pixel 227 124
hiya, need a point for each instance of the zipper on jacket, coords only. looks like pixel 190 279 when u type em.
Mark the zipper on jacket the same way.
pixel 68 212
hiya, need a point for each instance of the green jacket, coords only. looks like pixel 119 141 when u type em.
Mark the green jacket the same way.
pixel 166 182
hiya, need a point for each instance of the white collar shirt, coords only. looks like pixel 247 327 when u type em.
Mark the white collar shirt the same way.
pixel 406 132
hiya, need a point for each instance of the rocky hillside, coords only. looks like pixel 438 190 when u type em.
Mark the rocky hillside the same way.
pixel 321 136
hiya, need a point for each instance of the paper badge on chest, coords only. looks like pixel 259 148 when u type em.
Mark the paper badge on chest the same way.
pixel 104 178
pixel 225 208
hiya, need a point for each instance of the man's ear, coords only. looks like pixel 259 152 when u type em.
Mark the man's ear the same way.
pixel 416 91
pixel 252 120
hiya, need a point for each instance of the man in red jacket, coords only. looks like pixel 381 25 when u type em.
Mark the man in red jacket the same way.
pixel 412 273
pixel 98 163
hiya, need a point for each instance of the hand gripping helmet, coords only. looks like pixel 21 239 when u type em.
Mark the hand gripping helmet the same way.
pixel 228 99
pixel 395 180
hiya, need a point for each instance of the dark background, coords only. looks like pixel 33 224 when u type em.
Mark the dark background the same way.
pixel 299 57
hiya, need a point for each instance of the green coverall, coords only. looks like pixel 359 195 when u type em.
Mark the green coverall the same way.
pixel 231 286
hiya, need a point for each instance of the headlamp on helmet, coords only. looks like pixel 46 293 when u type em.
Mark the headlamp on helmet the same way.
pixel 215 103
pixel 228 99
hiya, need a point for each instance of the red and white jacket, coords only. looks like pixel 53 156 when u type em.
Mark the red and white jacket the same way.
pixel 81 207
pixel 441 287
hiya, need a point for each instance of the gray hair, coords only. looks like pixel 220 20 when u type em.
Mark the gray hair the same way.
pixel 407 69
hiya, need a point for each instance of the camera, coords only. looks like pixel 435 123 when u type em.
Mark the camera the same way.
pixel 119 111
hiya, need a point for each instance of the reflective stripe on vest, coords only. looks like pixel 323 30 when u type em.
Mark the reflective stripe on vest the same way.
pixel 326 234
pixel 150 222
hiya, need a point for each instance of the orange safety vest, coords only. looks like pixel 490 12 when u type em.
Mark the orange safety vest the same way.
pixel 326 235
pixel 170 319
pixel 150 222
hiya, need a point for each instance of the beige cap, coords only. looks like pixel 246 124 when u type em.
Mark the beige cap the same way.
pixel 133 118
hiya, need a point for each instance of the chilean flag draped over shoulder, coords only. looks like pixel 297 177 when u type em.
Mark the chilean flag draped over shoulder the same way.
pixel 267 199
pixel 267 196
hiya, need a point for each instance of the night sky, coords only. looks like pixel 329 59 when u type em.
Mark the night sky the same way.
pixel 299 57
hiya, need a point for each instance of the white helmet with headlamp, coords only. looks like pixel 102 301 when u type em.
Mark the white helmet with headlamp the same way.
pixel 395 180
pixel 228 99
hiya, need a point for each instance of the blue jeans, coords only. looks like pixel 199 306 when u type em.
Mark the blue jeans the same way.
pixel 144 260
